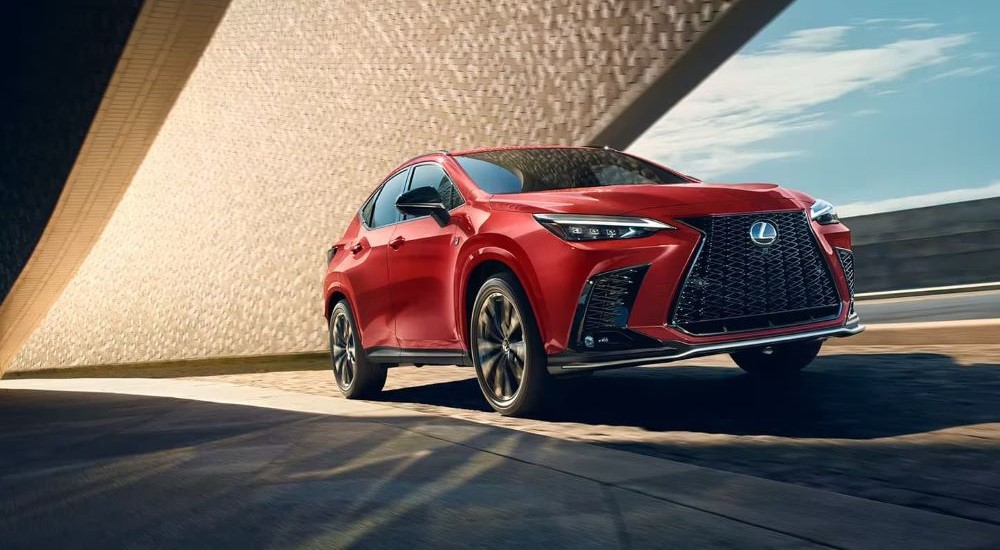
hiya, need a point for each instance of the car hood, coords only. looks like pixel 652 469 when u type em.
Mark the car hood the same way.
pixel 675 200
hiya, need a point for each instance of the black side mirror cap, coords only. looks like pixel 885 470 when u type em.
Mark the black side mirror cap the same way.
pixel 424 201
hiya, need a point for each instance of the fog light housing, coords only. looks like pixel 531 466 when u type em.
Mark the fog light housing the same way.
pixel 602 313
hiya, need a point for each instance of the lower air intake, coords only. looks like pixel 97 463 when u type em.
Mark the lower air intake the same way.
pixel 847 264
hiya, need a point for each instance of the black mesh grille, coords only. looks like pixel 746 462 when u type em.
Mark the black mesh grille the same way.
pixel 602 315
pixel 847 263
pixel 735 284
pixel 611 299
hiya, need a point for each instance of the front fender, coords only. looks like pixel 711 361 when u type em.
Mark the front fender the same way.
pixel 509 253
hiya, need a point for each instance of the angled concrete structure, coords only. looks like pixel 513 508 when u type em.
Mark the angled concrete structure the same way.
pixel 294 111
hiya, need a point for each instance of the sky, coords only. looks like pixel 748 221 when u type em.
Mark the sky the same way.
pixel 874 106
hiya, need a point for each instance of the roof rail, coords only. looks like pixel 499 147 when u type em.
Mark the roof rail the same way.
pixel 411 159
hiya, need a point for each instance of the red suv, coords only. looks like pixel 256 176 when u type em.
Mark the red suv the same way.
pixel 533 262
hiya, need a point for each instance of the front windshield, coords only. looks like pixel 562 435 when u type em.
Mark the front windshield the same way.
pixel 529 170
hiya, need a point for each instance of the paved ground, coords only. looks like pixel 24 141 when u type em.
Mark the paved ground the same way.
pixel 942 307
pixel 109 471
pixel 916 429
pixel 104 470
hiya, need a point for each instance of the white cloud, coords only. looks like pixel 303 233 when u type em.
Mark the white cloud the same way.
pixel 812 39
pixel 894 20
pixel 724 124
pixel 925 26
pixel 865 112
pixel 962 72
pixel 919 201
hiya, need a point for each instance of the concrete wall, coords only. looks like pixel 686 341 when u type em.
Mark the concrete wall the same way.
pixel 295 111
pixel 934 246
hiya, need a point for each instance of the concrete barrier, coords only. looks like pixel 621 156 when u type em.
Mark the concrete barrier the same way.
pixel 950 244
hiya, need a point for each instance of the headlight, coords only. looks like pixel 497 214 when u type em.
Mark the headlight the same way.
pixel 582 227
pixel 824 212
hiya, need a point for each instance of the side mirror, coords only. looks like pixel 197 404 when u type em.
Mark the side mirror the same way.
pixel 424 201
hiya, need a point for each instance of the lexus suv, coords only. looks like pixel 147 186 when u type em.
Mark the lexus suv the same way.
pixel 530 263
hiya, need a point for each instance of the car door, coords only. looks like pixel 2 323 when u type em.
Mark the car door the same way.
pixel 422 257
pixel 367 269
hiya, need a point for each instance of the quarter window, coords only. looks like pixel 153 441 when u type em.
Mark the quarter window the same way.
pixel 385 205
pixel 369 208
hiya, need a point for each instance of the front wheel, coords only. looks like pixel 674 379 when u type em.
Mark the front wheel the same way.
pixel 781 361
pixel 507 348
pixel 356 376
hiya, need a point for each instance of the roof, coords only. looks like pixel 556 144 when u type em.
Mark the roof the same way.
pixel 516 147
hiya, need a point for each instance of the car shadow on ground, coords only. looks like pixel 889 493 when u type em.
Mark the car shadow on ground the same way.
pixel 839 396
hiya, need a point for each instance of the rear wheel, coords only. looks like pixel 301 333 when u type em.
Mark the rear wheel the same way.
pixel 781 361
pixel 507 348
pixel 356 376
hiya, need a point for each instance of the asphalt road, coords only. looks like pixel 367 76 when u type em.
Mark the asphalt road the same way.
pixel 943 307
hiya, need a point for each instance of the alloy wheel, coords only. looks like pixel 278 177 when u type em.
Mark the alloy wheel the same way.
pixel 501 348
pixel 343 350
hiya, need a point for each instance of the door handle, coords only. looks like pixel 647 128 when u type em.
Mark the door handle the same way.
pixel 396 243
pixel 356 248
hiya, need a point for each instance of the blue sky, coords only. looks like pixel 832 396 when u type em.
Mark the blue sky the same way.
pixel 872 105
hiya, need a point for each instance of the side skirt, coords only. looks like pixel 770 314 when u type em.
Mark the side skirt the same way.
pixel 419 357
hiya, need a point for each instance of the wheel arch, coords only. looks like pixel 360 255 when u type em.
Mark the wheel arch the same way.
pixel 334 297
pixel 487 264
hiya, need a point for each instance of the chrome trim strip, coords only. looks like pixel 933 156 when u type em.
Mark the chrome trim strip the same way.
pixel 722 347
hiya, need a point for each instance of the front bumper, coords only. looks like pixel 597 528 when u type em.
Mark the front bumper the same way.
pixel 572 361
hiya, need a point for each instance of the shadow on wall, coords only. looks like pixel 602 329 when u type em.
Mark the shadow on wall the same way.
pixel 59 57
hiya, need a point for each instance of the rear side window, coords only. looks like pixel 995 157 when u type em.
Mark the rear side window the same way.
pixel 385 204
pixel 432 175
pixel 529 170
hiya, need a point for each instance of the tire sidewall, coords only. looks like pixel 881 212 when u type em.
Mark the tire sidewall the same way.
pixel 341 308
pixel 535 374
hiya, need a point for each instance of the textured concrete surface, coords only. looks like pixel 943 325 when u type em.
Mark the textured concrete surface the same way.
pixel 112 470
pixel 295 112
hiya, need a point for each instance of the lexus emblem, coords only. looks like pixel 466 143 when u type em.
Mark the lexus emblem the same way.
pixel 763 233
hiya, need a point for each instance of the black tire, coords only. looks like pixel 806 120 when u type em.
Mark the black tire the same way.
pixel 781 361
pixel 356 376
pixel 503 346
